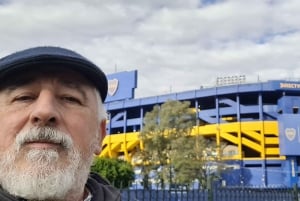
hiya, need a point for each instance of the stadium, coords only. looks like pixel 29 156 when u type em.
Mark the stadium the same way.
pixel 258 121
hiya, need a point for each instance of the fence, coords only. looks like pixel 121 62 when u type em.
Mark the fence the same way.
pixel 217 194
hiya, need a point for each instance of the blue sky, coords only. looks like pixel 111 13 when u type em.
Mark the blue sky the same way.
pixel 175 45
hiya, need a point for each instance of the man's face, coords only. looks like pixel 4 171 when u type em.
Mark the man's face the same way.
pixel 49 129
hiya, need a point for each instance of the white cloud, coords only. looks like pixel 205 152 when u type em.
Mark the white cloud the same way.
pixel 175 45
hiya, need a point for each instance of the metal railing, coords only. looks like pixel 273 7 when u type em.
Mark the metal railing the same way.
pixel 216 194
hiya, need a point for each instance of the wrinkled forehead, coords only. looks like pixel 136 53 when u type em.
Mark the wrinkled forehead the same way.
pixel 62 75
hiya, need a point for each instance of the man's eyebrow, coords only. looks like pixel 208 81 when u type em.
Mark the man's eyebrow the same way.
pixel 14 83
pixel 74 85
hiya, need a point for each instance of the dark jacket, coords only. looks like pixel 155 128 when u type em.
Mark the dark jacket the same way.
pixel 99 187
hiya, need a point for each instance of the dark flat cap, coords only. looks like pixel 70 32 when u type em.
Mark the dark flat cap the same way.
pixel 59 57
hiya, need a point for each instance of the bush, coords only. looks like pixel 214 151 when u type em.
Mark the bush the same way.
pixel 119 172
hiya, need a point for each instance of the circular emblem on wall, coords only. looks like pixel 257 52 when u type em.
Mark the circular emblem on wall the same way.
pixel 112 86
pixel 290 133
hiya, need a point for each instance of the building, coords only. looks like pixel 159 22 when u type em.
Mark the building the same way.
pixel 260 123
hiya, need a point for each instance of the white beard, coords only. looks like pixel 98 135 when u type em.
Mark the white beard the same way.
pixel 46 176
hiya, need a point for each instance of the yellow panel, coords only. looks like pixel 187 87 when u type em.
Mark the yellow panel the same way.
pixel 252 134
pixel 262 132
pixel 229 137
pixel 251 144
pixel 271 127
pixel 271 140
pixel 272 151
pixel 229 127
pixel 132 144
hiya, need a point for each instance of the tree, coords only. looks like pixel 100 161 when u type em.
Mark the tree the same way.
pixel 198 158
pixel 119 172
pixel 162 126
pixel 170 150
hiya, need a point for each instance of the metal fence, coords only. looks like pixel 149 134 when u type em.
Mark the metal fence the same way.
pixel 217 194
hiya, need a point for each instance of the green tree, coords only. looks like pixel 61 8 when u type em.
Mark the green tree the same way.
pixel 119 172
pixel 169 148
pixel 197 158
pixel 162 126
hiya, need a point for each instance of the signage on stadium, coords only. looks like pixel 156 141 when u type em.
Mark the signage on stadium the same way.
pixel 289 85
pixel 229 80
pixel 121 85
pixel 112 86
pixel 290 133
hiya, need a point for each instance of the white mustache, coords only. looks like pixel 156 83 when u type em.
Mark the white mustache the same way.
pixel 44 134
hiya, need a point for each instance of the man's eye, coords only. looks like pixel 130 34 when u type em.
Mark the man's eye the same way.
pixel 23 98
pixel 71 99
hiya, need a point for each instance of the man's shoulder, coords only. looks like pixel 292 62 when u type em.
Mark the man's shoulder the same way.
pixel 101 189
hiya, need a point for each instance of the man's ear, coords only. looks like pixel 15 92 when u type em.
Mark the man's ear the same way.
pixel 101 135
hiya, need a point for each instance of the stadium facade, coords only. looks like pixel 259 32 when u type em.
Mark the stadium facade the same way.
pixel 259 122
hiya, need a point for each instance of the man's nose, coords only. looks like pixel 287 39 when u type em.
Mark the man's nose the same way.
pixel 45 111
